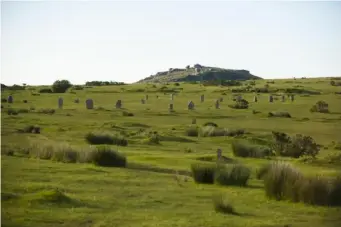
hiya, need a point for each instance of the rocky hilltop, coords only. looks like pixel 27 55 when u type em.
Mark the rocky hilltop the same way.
pixel 198 72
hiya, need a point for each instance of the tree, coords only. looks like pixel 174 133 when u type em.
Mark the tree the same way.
pixel 60 86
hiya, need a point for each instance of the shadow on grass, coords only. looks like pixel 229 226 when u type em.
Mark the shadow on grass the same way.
pixel 141 167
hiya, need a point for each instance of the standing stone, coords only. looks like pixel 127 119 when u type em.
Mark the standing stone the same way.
pixel 219 153
pixel 10 99
pixel 255 99
pixel 60 103
pixel 283 98
pixel 146 97
pixel 89 104
pixel 190 105
pixel 171 107
pixel 202 98
pixel 172 96
pixel 217 104
pixel 271 99
pixel 143 101
pixel 292 98
pixel 119 104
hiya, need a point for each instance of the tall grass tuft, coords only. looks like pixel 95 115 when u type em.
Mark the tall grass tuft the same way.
pixel 245 149
pixel 234 174
pixel 192 131
pixel 105 138
pixel 203 173
pixel 104 156
pixel 221 205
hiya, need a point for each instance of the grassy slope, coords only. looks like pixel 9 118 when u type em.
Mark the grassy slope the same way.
pixel 131 197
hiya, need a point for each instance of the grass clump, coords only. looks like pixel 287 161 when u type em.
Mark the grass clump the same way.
pixel 246 149
pixel 232 174
pixel 203 173
pixel 221 205
pixel 211 131
pixel 279 114
pixel 30 129
pixel 320 107
pixel 105 156
pixel 240 104
pixel 192 131
pixel 127 114
pixel 105 138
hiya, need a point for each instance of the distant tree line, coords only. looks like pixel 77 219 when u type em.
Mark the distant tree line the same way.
pixel 103 83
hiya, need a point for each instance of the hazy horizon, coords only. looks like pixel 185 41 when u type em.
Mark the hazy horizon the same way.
pixel 127 41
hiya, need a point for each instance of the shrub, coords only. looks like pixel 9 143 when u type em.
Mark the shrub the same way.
pixel 245 149
pixel 235 174
pixel 127 114
pixel 211 124
pixel 77 87
pixel 47 111
pixel 335 191
pixel 279 114
pixel 104 156
pixel 203 173
pixel 241 104
pixel 314 191
pixel 3 100
pixel 192 131
pixel 60 86
pixel 321 107
pixel 24 101
pixel 176 84
pixel 221 205
pixel 105 138
pixel 12 112
pixel 45 90
pixel 152 139
pixel 30 129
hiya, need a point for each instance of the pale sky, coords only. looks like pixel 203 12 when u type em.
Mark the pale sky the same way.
pixel 43 41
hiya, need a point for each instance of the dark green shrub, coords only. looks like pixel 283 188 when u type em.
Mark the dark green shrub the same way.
pixel 176 84
pixel 45 90
pixel 279 114
pixel 321 107
pixel 314 191
pixel 77 87
pixel 105 138
pixel 245 149
pixel 335 191
pixel 240 104
pixel 60 86
pixel 203 173
pixel 235 132
pixel 12 111
pixel 127 114
pixel 3 100
pixel 104 156
pixel 232 174
pixel 192 131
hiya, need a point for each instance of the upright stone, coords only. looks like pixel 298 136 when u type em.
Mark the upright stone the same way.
pixel 202 98
pixel 219 153
pixel 10 99
pixel 171 107
pixel 143 101
pixel 60 103
pixel 255 99
pixel 89 104
pixel 292 97
pixel 217 104
pixel 271 99
pixel 190 105
pixel 146 97
pixel 283 98
pixel 119 104
pixel 172 96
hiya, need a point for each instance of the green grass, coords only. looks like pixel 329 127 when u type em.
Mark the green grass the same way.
pixel 156 187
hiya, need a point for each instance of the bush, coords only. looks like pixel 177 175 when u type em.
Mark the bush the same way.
pixel 321 107
pixel 235 132
pixel 279 114
pixel 297 146
pixel 12 112
pixel 335 191
pixel 245 149
pixel 127 114
pixel 104 156
pixel 241 104
pixel 211 124
pixel 3 100
pixel 176 84
pixel 221 205
pixel 203 173
pixel 105 138
pixel 30 129
pixel 45 90
pixel 235 174
pixel 77 87
pixel 314 191
pixel 47 111
pixel 60 86
pixel 192 131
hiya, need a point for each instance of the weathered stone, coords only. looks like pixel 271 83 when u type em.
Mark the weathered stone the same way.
pixel 171 107
pixel 10 99
pixel 118 104
pixel 60 103
pixel 89 104
pixel 219 153
pixel 202 98
pixel 143 101
pixel 190 105
pixel 271 99
pixel 283 98
pixel 255 99
pixel 292 97
pixel 217 104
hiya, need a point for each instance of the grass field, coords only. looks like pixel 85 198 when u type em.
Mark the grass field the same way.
pixel 156 187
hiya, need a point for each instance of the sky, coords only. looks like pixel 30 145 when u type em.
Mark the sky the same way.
pixel 44 41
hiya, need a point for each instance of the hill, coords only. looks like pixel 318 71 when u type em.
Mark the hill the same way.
pixel 198 73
